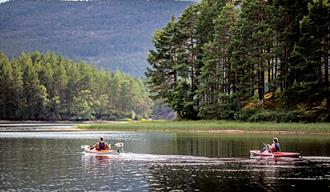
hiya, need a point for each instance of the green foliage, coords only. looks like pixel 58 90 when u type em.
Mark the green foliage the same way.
pixel 6 71
pixel 82 107
pixel 253 115
pixel 245 114
pixel 278 116
pixel 229 108
pixel 48 87
pixel 222 60
pixel 113 34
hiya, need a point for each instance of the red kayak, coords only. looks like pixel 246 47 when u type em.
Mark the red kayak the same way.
pixel 258 153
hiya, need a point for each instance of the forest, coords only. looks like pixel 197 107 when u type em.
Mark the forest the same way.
pixel 46 86
pixel 113 34
pixel 249 60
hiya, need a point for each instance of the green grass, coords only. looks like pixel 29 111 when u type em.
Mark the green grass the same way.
pixel 208 125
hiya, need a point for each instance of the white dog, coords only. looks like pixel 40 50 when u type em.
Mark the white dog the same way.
pixel 119 145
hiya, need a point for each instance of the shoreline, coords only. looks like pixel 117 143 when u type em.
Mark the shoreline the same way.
pixel 223 131
pixel 203 126
pixel 241 131
pixel 214 126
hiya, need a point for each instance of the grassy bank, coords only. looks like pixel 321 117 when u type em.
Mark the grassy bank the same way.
pixel 211 125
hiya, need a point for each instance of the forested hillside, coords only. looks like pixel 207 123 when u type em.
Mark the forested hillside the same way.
pixel 115 34
pixel 49 87
pixel 248 60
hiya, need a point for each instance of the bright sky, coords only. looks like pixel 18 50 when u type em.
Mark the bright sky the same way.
pixel 1 1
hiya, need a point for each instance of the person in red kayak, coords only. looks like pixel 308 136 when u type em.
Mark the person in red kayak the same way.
pixel 101 145
pixel 275 147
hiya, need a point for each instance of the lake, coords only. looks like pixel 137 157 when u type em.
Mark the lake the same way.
pixel 54 161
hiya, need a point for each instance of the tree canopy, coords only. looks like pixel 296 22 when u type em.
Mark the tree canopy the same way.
pixel 248 60
pixel 41 86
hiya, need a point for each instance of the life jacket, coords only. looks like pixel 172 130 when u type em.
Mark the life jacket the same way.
pixel 101 146
pixel 277 147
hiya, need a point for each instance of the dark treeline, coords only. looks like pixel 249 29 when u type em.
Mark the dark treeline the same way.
pixel 249 60
pixel 49 87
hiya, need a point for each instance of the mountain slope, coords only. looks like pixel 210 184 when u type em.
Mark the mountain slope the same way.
pixel 115 34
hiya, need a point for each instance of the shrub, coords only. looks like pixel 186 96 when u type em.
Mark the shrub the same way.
pixel 278 116
pixel 262 116
pixel 245 114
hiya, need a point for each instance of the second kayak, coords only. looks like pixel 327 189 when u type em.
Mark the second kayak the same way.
pixel 258 153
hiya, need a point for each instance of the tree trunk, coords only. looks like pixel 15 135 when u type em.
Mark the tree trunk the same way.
pixel 261 83
pixel 269 72
pixel 4 103
pixel 326 73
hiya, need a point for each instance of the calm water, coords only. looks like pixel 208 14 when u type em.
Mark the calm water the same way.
pixel 54 161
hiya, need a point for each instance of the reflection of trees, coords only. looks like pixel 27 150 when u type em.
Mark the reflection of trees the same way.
pixel 308 145
pixel 153 143
pixel 55 164
pixel 217 145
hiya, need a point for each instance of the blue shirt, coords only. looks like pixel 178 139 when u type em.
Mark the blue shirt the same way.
pixel 277 147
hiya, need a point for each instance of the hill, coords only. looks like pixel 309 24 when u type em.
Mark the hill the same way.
pixel 115 34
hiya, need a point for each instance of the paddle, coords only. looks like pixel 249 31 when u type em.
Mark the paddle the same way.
pixel 270 151
pixel 85 147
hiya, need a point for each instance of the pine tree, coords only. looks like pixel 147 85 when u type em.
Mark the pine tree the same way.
pixel 311 78
pixel 288 33
pixel 6 89
pixel 35 94
pixel 215 81
pixel 17 94
pixel 163 73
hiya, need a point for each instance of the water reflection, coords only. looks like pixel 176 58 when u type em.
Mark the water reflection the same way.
pixel 54 161
pixel 211 145
pixel 222 145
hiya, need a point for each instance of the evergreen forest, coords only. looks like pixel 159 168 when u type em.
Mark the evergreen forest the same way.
pixel 113 34
pixel 46 86
pixel 249 60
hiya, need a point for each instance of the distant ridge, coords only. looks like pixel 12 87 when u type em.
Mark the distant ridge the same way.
pixel 115 34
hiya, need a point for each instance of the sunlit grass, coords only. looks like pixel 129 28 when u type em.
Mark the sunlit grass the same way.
pixel 208 125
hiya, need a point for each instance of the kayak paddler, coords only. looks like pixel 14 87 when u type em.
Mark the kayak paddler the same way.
pixel 275 147
pixel 101 145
